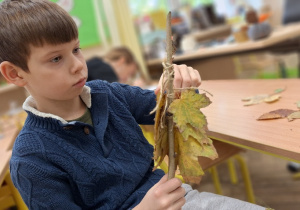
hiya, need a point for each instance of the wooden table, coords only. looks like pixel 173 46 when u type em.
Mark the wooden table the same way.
pixel 217 62
pixel 232 122
pixel 4 163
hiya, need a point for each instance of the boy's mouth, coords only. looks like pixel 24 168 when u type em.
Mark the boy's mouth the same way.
pixel 80 83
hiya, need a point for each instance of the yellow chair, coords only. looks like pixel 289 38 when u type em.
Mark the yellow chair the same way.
pixel 296 176
pixel 9 195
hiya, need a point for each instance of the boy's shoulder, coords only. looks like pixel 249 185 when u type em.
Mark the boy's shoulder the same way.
pixel 102 86
pixel 28 141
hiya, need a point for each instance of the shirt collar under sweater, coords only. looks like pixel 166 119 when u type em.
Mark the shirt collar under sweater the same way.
pixel 30 105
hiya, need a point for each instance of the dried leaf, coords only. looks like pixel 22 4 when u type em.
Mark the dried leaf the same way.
pixel 160 132
pixel 188 153
pixel 269 98
pixel 298 104
pixel 254 99
pixel 279 90
pixel 272 98
pixel 186 110
pixel 191 140
pixel 276 114
pixel 190 136
pixel 294 115
pixel 187 159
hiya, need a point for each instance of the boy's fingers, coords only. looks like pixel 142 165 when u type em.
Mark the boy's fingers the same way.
pixel 186 76
pixel 177 195
pixel 195 77
pixel 179 203
pixel 177 77
pixel 171 185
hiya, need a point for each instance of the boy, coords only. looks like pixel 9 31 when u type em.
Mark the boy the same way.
pixel 81 146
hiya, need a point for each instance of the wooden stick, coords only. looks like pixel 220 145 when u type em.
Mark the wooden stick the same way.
pixel 170 98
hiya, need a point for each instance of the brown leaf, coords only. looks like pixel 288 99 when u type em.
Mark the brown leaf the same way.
pixel 276 114
pixel 160 132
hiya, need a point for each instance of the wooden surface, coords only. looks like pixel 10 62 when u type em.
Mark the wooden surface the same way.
pixel 279 35
pixel 4 163
pixel 230 121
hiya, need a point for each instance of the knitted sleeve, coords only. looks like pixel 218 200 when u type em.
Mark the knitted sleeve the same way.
pixel 40 183
pixel 140 102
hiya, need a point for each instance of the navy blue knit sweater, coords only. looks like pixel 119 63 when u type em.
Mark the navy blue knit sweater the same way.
pixel 61 165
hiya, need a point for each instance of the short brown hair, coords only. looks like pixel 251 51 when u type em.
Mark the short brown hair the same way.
pixel 118 52
pixel 251 17
pixel 32 22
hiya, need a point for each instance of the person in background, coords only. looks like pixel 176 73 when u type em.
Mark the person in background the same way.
pixel 117 65
pixel 81 146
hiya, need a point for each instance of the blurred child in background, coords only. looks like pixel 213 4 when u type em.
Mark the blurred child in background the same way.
pixel 118 65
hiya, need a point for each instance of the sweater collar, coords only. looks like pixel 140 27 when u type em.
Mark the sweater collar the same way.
pixel 30 105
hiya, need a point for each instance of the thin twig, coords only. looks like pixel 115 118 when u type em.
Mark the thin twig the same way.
pixel 170 98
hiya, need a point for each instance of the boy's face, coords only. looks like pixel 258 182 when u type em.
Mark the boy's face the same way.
pixel 56 72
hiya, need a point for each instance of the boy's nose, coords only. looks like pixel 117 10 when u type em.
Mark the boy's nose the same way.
pixel 77 64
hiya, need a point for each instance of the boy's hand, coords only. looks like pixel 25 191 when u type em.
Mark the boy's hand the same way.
pixel 164 195
pixel 184 77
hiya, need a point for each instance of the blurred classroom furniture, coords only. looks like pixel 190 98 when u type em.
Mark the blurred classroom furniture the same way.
pixel 122 29
pixel 11 121
pixel 291 11
pixel 10 127
pixel 4 163
pixel 11 96
pixel 217 62
pixel 9 195
pixel 212 32
pixel 232 122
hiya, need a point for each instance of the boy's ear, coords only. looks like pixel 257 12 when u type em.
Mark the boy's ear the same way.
pixel 12 73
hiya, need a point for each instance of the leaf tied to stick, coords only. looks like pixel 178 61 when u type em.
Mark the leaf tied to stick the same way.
pixel 191 140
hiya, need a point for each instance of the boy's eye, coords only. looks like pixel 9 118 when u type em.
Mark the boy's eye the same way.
pixel 76 50
pixel 56 59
